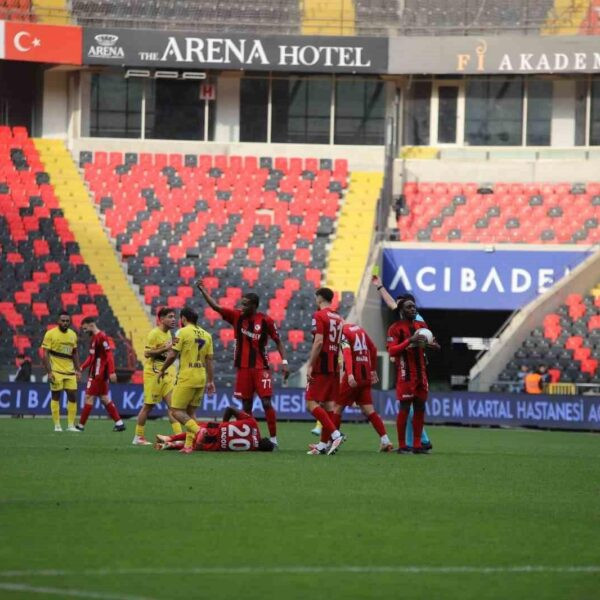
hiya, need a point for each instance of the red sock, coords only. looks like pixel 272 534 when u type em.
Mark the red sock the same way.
pixel 85 413
pixel 111 409
pixel 401 426
pixel 377 423
pixel 328 427
pixel 271 421
pixel 418 421
pixel 178 437
pixel 337 419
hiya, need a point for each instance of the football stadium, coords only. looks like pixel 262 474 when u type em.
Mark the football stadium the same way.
pixel 235 236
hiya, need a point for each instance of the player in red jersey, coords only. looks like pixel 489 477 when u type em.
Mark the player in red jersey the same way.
pixel 360 361
pixel 323 373
pixel 240 435
pixel 102 370
pixel 412 387
pixel 252 332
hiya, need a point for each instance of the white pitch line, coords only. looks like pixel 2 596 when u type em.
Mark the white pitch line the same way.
pixel 299 569
pixel 21 587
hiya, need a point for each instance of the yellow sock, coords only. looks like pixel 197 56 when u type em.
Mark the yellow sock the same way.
pixel 192 426
pixel 71 413
pixel 192 430
pixel 139 430
pixel 55 410
pixel 176 426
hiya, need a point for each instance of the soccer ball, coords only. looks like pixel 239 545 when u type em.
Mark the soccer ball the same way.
pixel 426 333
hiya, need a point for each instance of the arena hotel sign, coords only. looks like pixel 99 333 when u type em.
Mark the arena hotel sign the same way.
pixel 473 55
pixel 143 48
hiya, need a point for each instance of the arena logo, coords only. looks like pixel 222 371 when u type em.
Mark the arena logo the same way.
pixel 106 47
pixel 253 52
pixel 467 280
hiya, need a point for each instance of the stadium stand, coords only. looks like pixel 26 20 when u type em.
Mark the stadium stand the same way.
pixel 343 17
pixel 43 271
pixel 239 223
pixel 500 212
pixel 15 10
pixel 566 341
pixel 259 16
pixel 53 12
pixel 95 246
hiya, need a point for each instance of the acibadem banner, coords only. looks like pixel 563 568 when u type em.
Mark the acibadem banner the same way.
pixel 196 50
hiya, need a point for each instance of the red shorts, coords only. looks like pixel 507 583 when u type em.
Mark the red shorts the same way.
pixel 413 389
pixel 323 387
pixel 361 394
pixel 253 381
pixel 97 386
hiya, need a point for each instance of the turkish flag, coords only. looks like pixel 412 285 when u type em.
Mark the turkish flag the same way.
pixel 43 43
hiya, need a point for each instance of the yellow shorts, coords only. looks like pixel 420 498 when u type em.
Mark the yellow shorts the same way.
pixel 154 390
pixel 186 396
pixel 63 382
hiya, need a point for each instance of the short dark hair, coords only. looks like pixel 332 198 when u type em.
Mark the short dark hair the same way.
pixel 88 320
pixel 325 293
pixel 164 311
pixel 254 299
pixel 265 445
pixel 65 313
pixel 405 297
pixel 190 314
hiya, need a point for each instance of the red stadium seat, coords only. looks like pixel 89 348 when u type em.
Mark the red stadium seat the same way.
pixel 313 276
pixel 594 323
pixel 274 360
pixel 175 302
pixel 40 309
pixel 589 365
pixel 210 283
pixel 185 291
pixel 89 310
pixel 187 273
pixel 582 353
pixel 295 337
pixel 95 289
pixel 226 335
pixel 574 342
pixel 250 275
pixel 69 299
pixel 212 316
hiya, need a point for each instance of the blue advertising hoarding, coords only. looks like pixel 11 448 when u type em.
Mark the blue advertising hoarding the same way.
pixel 475 279
pixel 465 408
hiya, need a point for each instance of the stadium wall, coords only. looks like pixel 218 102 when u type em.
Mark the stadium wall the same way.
pixel 575 413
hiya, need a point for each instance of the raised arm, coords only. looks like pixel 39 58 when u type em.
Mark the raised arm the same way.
pixel 385 295
pixel 209 299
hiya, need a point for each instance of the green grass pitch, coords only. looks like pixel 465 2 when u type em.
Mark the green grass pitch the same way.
pixel 90 516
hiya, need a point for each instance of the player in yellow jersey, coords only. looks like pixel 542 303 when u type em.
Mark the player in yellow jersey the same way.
pixel 194 347
pixel 158 343
pixel 62 365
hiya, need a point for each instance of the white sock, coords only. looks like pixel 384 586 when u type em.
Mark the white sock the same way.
pixel 274 439
pixel 385 439
pixel 119 422
pixel 335 435
pixel 321 446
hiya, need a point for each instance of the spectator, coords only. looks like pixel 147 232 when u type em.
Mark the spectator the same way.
pixel 534 382
pixel 519 386
pixel 24 372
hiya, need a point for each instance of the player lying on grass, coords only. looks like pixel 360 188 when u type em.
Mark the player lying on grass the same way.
pixel 394 305
pixel 360 360
pixel 406 344
pixel 240 435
